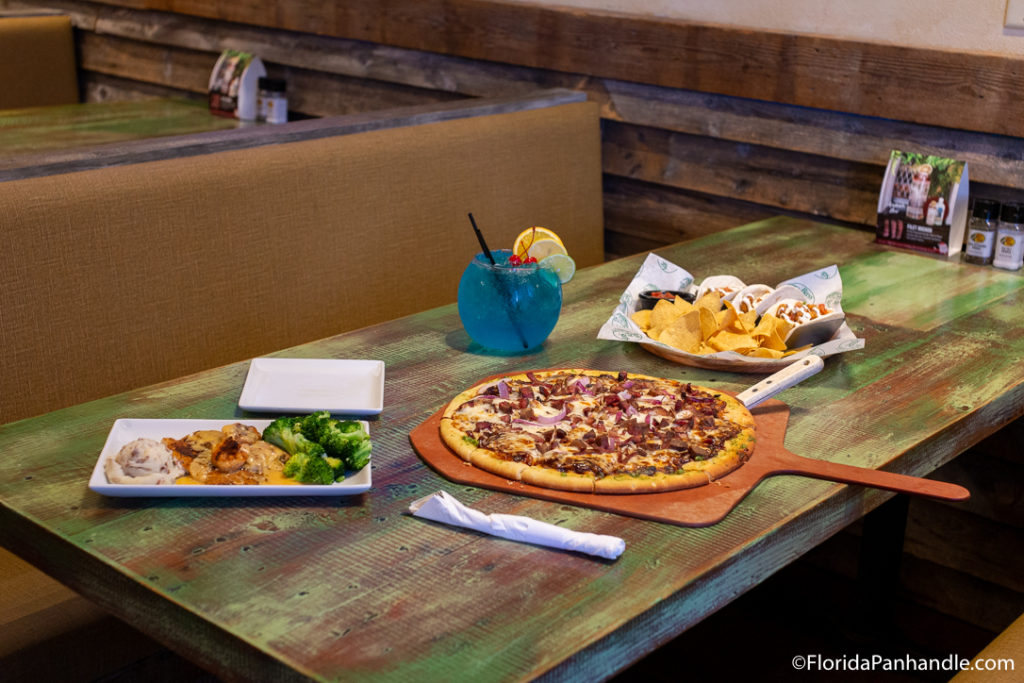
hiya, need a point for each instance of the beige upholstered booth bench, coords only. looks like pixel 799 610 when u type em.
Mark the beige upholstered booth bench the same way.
pixel 37 59
pixel 127 267
pixel 1002 660
pixel 122 276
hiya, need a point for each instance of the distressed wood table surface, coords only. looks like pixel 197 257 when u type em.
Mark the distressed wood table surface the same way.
pixel 43 139
pixel 332 588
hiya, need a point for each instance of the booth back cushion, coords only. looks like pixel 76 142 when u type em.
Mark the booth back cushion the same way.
pixel 116 278
pixel 37 61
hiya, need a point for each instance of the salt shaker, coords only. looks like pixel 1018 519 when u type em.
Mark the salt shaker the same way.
pixel 273 102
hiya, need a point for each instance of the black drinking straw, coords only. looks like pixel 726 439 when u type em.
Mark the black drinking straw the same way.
pixel 505 294
pixel 482 241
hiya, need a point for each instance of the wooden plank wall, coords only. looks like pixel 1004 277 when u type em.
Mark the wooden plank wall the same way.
pixel 678 162
pixel 704 127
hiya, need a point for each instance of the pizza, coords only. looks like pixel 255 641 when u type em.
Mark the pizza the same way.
pixel 600 432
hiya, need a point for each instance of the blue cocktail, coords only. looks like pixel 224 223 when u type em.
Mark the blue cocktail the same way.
pixel 508 308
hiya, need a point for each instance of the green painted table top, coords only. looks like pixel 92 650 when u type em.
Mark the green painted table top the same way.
pixel 37 130
pixel 355 587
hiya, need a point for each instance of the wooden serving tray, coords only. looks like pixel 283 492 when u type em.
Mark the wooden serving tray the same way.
pixel 702 506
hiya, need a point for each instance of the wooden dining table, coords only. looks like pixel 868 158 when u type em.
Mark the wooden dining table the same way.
pixel 61 138
pixel 329 588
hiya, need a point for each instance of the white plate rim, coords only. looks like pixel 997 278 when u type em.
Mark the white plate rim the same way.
pixel 125 429
pixel 262 369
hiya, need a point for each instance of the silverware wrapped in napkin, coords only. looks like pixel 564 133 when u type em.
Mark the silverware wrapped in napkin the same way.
pixel 443 507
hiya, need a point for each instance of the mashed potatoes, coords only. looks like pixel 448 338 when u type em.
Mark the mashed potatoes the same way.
pixel 143 461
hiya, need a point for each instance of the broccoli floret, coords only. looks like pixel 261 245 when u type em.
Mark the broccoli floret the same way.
pixel 309 468
pixel 306 461
pixel 285 432
pixel 340 445
pixel 360 457
pixel 314 425
pixel 337 466
pixel 348 440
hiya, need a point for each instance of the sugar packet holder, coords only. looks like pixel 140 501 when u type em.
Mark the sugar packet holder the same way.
pixel 445 508
pixel 823 285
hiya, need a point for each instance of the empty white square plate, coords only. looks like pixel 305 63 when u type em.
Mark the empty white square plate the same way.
pixel 303 385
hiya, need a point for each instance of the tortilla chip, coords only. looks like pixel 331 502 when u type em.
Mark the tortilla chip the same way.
pixel 730 341
pixel 708 323
pixel 711 325
pixel 711 301
pixel 725 317
pixel 681 305
pixel 749 319
pixel 798 349
pixel 684 333
pixel 734 321
pixel 662 315
pixel 771 332
pixel 642 318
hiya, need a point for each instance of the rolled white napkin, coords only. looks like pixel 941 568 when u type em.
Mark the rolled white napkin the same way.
pixel 443 507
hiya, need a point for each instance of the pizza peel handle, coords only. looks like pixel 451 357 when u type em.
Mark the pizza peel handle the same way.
pixel 790 463
pixel 781 380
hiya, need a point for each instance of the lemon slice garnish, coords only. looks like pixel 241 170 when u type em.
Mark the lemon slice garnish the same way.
pixel 562 264
pixel 541 249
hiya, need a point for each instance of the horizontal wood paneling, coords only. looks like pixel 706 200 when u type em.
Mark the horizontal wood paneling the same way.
pixel 314 93
pixel 368 76
pixel 995 159
pixel 99 87
pixel 819 186
pixel 935 585
pixel 969 91
pixel 179 68
pixel 994 470
pixel 990 550
pixel 647 216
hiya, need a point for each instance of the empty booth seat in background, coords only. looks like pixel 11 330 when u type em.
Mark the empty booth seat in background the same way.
pixel 37 61
pixel 116 278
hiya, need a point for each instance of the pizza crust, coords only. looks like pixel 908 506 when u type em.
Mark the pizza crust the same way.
pixel 554 479
pixel 462 444
pixel 653 483
pixel 733 453
pixel 486 460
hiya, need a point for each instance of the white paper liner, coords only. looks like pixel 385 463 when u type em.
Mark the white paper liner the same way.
pixel 819 286
pixel 443 507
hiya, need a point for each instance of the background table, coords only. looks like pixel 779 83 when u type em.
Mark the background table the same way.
pixel 45 139
pixel 270 589
pixel 60 127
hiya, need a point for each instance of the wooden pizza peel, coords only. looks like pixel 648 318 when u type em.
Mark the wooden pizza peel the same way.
pixel 704 505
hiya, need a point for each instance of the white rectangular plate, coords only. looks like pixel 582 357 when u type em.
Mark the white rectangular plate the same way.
pixel 303 385
pixel 125 430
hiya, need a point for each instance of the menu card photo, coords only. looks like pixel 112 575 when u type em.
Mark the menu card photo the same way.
pixel 233 84
pixel 923 203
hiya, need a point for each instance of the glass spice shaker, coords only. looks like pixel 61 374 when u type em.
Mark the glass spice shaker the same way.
pixel 1009 246
pixel 273 103
pixel 981 232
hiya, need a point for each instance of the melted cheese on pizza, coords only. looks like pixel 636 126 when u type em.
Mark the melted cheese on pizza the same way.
pixel 605 424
